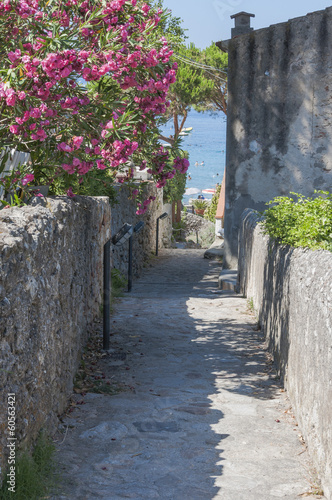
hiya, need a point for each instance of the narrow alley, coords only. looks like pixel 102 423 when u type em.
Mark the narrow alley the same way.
pixel 202 415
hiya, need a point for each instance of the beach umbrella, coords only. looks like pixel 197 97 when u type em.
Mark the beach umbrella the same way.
pixel 209 191
pixel 192 191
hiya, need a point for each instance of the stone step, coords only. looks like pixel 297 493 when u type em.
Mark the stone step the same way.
pixel 227 280
pixel 216 250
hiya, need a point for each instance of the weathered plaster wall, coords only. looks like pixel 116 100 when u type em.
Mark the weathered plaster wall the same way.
pixel 279 132
pixel 144 243
pixel 51 271
pixel 292 294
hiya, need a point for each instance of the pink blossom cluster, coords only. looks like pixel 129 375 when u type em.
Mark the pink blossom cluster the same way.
pixel 181 164
pixel 142 207
pixel 47 102
pixel 160 167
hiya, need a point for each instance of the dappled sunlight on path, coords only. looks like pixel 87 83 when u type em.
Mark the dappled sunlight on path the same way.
pixel 203 416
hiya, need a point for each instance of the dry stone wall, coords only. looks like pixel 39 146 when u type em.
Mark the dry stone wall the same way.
pixel 292 295
pixel 144 243
pixel 50 293
pixel 51 280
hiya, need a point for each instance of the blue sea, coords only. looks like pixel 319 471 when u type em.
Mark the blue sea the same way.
pixel 206 143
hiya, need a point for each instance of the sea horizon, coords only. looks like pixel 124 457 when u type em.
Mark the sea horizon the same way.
pixel 206 145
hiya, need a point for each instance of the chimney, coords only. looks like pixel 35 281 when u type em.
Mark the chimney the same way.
pixel 242 23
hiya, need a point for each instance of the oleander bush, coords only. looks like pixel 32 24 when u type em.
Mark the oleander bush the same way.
pixel 82 87
pixel 299 221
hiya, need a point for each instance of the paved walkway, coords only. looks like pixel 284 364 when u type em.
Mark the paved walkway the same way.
pixel 202 417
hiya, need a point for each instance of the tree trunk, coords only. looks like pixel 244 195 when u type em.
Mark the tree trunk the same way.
pixel 176 125
pixel 173 212
pixel 185 114
pixel 167 139
pixel 178 211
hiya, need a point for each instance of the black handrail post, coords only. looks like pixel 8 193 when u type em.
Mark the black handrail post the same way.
pixel 130 264
pixel 107 296
pixel 157 237
pixel 162 216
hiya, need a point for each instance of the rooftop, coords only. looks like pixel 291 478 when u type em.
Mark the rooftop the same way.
pixel 242 14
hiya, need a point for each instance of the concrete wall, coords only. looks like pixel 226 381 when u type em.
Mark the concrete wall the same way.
pixel 292 295
pixel 51 271
pixel 144 243
pixel 279 132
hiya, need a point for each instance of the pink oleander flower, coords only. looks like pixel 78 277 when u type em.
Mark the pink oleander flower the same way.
pixel 70 193
pixel 77 141
pixel 14 129
pixel 145 8
pixel 13 56
pixel 100 165
pixel 41 134
pixel 68 168
pixel 11 99
pixel 76 162
pixel 64 147
pixel 28 178
pixel 35 113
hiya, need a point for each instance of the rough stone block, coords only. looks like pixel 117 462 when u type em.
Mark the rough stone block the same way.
pixel 292 296
pixel 51 271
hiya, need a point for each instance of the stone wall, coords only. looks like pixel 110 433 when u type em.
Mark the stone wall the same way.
pixel 292 295
pixel 50 293
pixel 279 133
pixel 144 243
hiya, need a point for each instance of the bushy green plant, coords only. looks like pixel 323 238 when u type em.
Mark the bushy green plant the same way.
pixel 299 221
pixel 210 212
pixel 206 236
pixel 35 473
pixel 200 204
pixel 175 188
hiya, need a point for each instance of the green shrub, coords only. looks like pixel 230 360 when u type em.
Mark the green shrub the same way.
pixel 94 183
pixel 35 473
pixel 200 204
pixel 175 188
pixel 210 212
pixel 301 222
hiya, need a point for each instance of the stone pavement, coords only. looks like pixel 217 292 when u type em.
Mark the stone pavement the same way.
pixel 203 416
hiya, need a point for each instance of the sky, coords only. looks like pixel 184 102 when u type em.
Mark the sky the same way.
pixel 209 20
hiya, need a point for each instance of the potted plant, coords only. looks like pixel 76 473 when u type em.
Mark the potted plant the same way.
pixel 200 206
